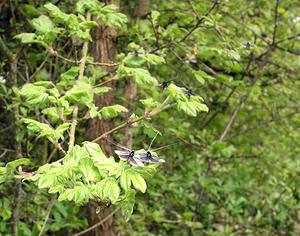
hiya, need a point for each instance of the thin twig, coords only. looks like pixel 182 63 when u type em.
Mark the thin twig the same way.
pixel 198 23
pixel 147 115
pixel 60 148
pixel 275 22
pixel 128 123
pixel 107 81
pixel 53 52
pixel 73 127
pixel 99 223
pixel 39 68
pixel 16 208
pixel 47 216
pixel 4 152
pixel 232 119
pixel 6 51
pixel 84 52
pixel 193 8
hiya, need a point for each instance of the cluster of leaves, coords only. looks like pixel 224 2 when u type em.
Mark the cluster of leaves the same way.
pixel 245 184
pixel 87 174
pixel 72 25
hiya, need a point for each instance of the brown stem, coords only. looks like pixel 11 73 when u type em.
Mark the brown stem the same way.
pixel 16 208
pixel 126 124
pixel 73 128
pixel 97 224
pixel 53 52
pixel 47 215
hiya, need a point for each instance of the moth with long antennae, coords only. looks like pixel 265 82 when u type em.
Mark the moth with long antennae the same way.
pixel 147 157
pixel 137 159
pixel 127 155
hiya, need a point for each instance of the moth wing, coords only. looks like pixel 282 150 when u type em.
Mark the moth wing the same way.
pixel 123 155
pixel 155 159
pixel 135 161
pixel 141 156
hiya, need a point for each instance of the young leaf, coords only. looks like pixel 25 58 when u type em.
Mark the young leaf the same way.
pixel 101 90
pixel 75 155
pixel 128 203
pixel 26 37
pixel 43 24
pixel 34 94
pixel 108 189
pixel 112 111
pixel 125 181
pixel 88 170
pixel 94 150
pixel 137 181
pixel 19 162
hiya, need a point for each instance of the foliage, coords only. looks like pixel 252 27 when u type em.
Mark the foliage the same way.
pixel 217 80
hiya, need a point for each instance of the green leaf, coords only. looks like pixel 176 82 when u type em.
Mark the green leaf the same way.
pixel 95 151
pixel 87 25
pixel 108 189
pixel 61 129
pixel 68 77
pixel 56 13
pixel 79 194
pixel 111 166
pixel 88 170
pixel 141 76
pixel 2 170
pixel 137 180
pixel 43 24
pixel 112 111
pixel 82 93
pixel 125 181
pixel 75 155
pixel 47 180
pixel 149 103
pixel 26 37
pixel 56 189
pixel 18 162
pixel 187 107
pixel 154 59
pixel 133 61
pixel 51 113
pixel 34 94
pixel 128 203
pixel 101 90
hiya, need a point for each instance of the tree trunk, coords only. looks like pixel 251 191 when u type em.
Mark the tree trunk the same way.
pixel 103 49
pixel 141 11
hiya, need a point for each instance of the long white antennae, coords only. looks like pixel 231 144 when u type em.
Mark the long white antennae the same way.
pixel 117 144
pixel 152 141
pixel 165 146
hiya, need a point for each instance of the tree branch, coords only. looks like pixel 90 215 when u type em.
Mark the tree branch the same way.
pixel 47 215
pixel 6 51
pixel 97 224
pixel 73 127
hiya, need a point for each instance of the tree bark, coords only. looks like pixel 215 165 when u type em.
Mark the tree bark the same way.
pixel 103 49
pixel 141 11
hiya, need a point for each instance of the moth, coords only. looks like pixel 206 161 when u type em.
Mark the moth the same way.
pixel 187 91
pixel 137 159
pixel 130 156
pixel 147 157
pixel 164 84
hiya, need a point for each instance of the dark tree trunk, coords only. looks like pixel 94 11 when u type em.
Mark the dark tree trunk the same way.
pixel 103 49
pixel 141 11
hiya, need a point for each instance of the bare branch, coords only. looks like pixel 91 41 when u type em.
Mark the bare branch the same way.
pixel 47 215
